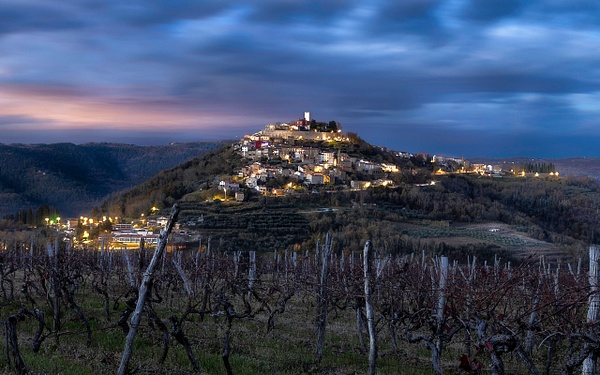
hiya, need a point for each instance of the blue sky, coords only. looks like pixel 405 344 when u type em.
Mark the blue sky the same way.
pixel 457 77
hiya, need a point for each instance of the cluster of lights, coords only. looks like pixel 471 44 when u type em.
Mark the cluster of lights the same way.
pixel 84 220
pixel 219 197
pixel 52 221
pixel 536 174
pixel 390 168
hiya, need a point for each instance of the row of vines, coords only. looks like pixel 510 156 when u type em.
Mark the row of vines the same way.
pixel 470 318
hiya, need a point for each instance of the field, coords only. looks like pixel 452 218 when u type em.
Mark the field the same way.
pixel 239 313
pixel 509 238
pixel 392 229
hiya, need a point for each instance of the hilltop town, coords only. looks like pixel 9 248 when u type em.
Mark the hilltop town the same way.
pixel 288 157
pixel 305 154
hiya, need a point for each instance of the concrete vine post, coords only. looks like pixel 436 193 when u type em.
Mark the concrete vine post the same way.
pixel 368 260
pixel 55 282
pixel 31 255
pixel 534 318
pixel 441 305
pixel 322 298
pixel 148 277
pixel 251 272
pixel 593 315
pixel 129 268
pixel 468 304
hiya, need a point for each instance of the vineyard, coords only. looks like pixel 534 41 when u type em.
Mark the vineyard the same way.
pixel 73 311
pixel 247 227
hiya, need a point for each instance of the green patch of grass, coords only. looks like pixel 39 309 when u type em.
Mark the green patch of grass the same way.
pixel 66 359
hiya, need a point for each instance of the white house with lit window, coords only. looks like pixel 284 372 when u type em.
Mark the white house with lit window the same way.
pixel 326 157
pixel 229 186
pixel 135 238
pixel 315 179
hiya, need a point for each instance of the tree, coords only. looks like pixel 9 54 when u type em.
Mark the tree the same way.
pixel 353 137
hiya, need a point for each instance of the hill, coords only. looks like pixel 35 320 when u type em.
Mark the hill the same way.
pixel 74 178
pixel 198 179
pixel 291 191
pixel 456 214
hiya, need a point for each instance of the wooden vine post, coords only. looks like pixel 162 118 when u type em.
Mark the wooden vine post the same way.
pixel 148 276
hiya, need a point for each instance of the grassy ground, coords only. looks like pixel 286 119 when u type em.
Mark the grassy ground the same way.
pixel 287 349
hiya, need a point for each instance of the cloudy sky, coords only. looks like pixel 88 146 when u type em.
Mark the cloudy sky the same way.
pixel 455 77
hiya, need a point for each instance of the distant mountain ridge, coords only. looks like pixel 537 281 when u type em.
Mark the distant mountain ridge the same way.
pixel 75 178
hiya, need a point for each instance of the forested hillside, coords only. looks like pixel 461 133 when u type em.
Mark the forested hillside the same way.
pixel 567 167
pixel 459 216
pixel 171 185
pixel 553 216
pixel 555 211
pixel 74 178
